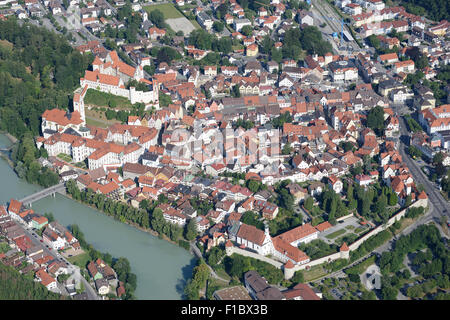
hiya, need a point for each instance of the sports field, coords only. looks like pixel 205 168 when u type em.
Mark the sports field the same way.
pixel 169 11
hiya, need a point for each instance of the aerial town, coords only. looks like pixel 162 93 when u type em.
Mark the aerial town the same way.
pixel 296 137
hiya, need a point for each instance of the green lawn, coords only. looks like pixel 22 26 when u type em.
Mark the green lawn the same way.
pixel 336 234
pixel 103 99
pixel 95 123
pixel 350 227
pixel 360 229
pixel 169 11
pixel 348 238
pixel 195 24
pixel 314 273
pixel 80 260
pixel 65 157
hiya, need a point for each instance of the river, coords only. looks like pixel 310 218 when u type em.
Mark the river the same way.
pixel 161 267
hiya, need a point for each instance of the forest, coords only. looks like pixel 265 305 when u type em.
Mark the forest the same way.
pixel 15 286
pixel 431 262
pixel 38 70
pixel 436 10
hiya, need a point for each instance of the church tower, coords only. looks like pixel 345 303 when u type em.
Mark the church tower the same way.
pixel 78 103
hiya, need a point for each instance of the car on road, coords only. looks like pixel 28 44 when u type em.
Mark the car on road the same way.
pixel 41 240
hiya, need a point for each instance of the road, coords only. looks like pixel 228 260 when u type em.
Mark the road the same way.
pixel 440 205
pixel 199 255
pixel 325 13
pixel 437 205
pixel 36 240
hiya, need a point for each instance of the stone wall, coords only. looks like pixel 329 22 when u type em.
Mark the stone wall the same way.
pixel 419 203
pixel 345 217
pixel 246 253
pixel 289 272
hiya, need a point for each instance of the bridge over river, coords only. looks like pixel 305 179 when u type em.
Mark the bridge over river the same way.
pixel 60 188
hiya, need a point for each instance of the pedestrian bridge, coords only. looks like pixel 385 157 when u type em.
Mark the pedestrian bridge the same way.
pixel 60 188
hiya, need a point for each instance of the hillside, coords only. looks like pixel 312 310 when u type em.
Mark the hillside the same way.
pixel 436 10
pixel 38 70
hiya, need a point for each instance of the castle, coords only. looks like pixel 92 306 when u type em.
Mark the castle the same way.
pixel 111 75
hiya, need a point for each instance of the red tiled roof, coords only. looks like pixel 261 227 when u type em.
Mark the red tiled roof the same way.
pixel 14 206
pixel 323 226
pixel 298 233
pixel 251 233
pixel 344 247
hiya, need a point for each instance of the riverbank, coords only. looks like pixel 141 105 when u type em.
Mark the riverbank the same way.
pixel 132 224
pixel 10 137
pixel 162 269
pixel 7 159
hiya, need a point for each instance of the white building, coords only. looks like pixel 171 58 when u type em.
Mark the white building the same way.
pixel 240 23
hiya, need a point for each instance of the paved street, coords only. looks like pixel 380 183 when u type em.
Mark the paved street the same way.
pixel 36 240
pixel 440 205
pixel 326 14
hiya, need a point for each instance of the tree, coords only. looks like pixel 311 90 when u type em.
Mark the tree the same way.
pixel 215 255
pixel 276 54
pixel 440 169
pixel 266 44
pixel 388 293
pixel 393 199
pixel 414 152
pixel 164 99
pixel 191 230
pixel 222 10
pixel 298 277
pixel 346 145
pixel 235 91
pixel 49 217
pixel 438 158
pixel 157 17
pixel 218 26
pixel 251 218
pixel 247 30
pixel 309 202
pixel 167 54
pixel 287 149
pixel 375 120
pixel 253 185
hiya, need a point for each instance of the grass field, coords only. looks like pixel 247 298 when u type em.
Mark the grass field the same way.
pixel 195 24
pixel 336 234
pixel 169 11
pixel 95 123
pixel 6 44
pixel 80 260
pixel 103 99
pixel 314 273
